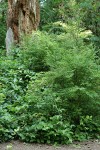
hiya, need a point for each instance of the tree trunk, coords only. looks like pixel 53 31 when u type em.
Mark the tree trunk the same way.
pixel 23 17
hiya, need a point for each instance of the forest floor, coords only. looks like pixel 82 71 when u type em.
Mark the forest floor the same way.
pixel 17 145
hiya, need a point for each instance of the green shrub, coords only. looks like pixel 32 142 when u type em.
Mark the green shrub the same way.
pixel 42 116
pixel 70 90
pixel 50 89
pixel 87 129
pixel 33 51
pixel 7 124
pixel 76 79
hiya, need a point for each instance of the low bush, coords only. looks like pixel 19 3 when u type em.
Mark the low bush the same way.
pixel 49 90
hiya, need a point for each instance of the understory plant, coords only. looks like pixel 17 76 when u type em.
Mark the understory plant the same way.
pixel 49 90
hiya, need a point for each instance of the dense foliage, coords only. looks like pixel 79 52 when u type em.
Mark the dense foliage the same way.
pixel 50 82
pixel 68 11
pixel 49 88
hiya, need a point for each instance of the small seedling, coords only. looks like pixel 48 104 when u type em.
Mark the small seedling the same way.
pixel 9 147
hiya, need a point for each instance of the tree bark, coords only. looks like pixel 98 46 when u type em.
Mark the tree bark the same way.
pixel 23 17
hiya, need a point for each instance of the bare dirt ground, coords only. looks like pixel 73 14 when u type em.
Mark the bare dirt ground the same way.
pixel 16 145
